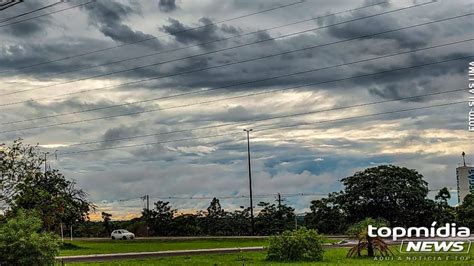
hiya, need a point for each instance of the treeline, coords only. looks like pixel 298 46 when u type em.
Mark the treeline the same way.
pixel 390 193
pixel 162 220
pixel 397 195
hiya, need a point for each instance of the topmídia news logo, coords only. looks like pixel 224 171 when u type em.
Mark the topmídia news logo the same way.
pixel 445 239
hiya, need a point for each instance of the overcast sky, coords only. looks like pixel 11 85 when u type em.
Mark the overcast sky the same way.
pixel 307 157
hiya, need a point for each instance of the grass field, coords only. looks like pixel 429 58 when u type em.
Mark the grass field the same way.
pixel 85 247
pixel 331 257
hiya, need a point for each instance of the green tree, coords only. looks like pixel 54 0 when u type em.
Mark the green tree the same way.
pixel 443 212
pixel 23 185
pixel 21 242
pixel 215 218
pixel 465 212
pixel 17 163
pixel 239 221
pixel 187 225
pixel 159 218
pixel 273 219
pixel 396 194
pixel 106 218
pixel 56 199
pixel 323 214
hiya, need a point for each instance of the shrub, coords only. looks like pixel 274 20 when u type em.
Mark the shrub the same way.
pixel 297 245
pixel 21 243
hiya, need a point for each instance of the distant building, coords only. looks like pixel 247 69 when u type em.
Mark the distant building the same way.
pixel 465 180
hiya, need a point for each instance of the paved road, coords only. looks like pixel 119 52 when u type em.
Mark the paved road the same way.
pixel 194 237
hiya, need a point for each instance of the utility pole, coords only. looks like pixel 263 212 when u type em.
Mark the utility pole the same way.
pixel 45 162
pixel 280 213
pixel 279 201
pixel 147 203
pixel 147 198
pixel 250 181
pixel 464 158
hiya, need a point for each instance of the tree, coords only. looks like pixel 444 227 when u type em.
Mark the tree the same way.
pixel 239 221
pixel 465 212
pixel 215 218
pixel 24 186
pixel 323 214
pixel 159 219
pixel 56 199
pixel 106 218
pixel 372 244
pixel 443 212
pixel 17 163
pixel 271 219
pixel 187 225
pixel 21 242
pixel 396 194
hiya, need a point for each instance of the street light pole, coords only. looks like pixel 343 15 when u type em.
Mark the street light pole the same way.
pixel 250 181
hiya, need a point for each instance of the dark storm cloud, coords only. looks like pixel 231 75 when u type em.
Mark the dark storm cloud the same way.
pixel 108 17
pixel 28 28
pixel 167 5
pixel 183 34
pixel 406 39
pixel 199 33
pixel 118 132
pixel 19 55
pixel 76 104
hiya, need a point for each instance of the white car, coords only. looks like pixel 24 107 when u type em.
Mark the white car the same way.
pixel 122 234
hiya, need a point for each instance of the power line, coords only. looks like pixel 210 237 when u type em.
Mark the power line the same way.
pixel 150 38
pixel 9 3
pixel 362 116
pixel 213 41
pixel 218 66
pixel 45 14
pixel 268 195
pixel 217 100
pixel 224 65
pixel 231 48
pixel 32 11
pixel 214 89
pixel 266 129
pixel 264 119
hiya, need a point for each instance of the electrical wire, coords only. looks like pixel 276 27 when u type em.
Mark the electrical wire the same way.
pixel 218 66
pixel 145 39
pixel 46 14
pixel 31 11
pixel 212 89
pixel 266 129
pixel 216 100
pixel 231 48
pixel 213 41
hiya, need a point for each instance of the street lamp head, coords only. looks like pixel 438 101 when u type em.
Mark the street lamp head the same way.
pixel 248 130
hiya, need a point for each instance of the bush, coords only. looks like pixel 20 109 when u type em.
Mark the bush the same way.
pixel 22 244
pixel 297 245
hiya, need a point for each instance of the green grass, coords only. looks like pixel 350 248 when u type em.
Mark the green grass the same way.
pixel 331 257
pixel 86 247
pixel 103 246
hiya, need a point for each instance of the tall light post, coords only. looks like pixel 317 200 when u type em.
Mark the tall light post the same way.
pixel 250 180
